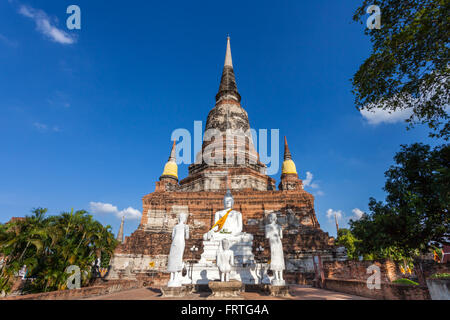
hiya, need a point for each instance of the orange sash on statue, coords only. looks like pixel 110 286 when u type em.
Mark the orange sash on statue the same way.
pixel 220 223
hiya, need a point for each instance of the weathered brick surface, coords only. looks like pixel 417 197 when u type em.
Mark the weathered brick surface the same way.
pixel 431 267
pixel 295 210
pixel 357 270
pixel 236 165
pixel 102 289
pixel 390 271
pixel 388 291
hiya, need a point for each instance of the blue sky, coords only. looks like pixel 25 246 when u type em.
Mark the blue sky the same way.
pixel 87 115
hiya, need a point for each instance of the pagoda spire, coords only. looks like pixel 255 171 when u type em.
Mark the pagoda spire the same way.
pixel 120 233
pixel 287 152
pixel 173 156
pixel 288 165
pixel 228 59
pixel 171 167
pixel 228 88
pixel 337 224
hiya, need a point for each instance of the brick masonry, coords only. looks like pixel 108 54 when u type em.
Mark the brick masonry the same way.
pixel 96 290
pixel 388 291
pixel 302 235
pixel 351 277
pixel 357 270
pixel 201 193
pixel 390 271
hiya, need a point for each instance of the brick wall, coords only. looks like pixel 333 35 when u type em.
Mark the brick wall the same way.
pixel 350 277
pixel 301 230
pixel 158 280
pixel 390 271
pixel 100 289
pixel 388 291
pixel 299 278
pixel 357 270
pixel 431 267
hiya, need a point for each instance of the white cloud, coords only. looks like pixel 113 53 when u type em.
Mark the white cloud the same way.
pixel 377 116
pixel 130 214
pixel 408 104
pixel 332 213
pixel 308 182
pixel 45 26
pixel 357 214
pixel 341 217
pixel 309 177
pixel 106 208
pixel 103 208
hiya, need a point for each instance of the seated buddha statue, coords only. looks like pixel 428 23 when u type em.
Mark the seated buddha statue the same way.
pixel 227 222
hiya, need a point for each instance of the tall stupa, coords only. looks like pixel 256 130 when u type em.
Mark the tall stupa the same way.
pixel 227 161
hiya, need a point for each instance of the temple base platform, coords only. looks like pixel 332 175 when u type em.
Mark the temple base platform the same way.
pixel 226 290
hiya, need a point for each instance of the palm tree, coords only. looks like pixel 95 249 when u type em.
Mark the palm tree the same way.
pixel 49 245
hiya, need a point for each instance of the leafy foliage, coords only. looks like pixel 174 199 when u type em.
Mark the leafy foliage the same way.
pixel 405 281
pixel 349 241
pixel 47 246
pixel 415 216
pixel 409 64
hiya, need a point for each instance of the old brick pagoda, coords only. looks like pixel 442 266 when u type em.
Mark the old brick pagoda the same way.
pixel 201 194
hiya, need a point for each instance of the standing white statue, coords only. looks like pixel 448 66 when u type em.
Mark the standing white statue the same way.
pixel 274 233
pixel 227 221
pixel 175 264
pixel 129 269
pixel 225 260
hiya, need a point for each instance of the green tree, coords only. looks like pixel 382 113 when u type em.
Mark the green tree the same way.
pixel 47 246
pixel 415 216
pixel 348 240
pixel 409 64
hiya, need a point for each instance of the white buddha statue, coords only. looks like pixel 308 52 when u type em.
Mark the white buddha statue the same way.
pixel 225 260
pixel 227 222
pixel 180 233
pixel 274 233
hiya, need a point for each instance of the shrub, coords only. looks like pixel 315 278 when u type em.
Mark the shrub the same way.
pixel 405 281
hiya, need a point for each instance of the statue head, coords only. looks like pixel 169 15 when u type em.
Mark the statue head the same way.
pixel 225 244
pixel 182 218
pixel 272 217
pixel 228 200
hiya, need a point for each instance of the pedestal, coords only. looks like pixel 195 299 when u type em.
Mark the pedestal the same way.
pixel 206 269
pixel 277 291
pixel 226 290
pixel 278 283
pixel 175 292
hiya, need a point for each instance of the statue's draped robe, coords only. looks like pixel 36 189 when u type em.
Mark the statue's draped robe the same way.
pixel 274 234
pixel 179 233
pixel 233 223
